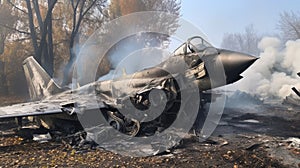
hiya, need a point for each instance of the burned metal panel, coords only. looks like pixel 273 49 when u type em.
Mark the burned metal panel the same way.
pixel 39 82
pixel 292 100
pixel 29 109
pixel 296 90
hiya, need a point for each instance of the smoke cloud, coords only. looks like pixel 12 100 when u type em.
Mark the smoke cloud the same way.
pixel 134 61
pixel 275 73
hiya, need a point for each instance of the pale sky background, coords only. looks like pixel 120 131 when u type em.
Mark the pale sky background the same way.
pixel 216 17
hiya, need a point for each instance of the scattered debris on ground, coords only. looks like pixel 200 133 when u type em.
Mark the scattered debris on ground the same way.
pixel 265 137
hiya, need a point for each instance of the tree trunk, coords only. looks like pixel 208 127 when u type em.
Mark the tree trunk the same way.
pixel 3 86
pixel 79 11
pixel 2 42
pixel 45 49
pixel 33 32
pixel 50 44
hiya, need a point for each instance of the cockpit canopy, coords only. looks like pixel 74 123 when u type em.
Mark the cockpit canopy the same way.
pixel 193 45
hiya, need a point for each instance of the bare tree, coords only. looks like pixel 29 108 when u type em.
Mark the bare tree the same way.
pixel 243 42
pixel 119 8
pixel 38 25
pixel 43 48
pixel 82 10
pixel 7 20
pixel 49 30
pixel 289 25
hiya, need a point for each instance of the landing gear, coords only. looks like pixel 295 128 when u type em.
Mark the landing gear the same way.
pixel 119 122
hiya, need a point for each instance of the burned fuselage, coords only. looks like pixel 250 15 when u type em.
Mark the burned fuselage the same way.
pixel 127 102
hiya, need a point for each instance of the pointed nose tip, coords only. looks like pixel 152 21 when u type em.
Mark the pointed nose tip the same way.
pixel 235 63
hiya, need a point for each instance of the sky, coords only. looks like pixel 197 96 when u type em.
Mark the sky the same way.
pixel 216 17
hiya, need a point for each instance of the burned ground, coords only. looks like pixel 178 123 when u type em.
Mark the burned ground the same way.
pixel 257 137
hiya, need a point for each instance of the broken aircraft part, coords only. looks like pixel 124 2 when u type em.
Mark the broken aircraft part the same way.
pixel 296 90
pixel 292 100
pixel 114 95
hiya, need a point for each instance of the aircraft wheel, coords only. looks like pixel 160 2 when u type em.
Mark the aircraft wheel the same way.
pixel 135 128
pixel 116 123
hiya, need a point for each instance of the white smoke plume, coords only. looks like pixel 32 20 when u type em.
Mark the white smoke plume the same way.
pixel 135 61
pixel 275 73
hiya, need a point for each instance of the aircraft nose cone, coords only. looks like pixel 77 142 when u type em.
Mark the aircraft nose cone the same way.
pixel 235 63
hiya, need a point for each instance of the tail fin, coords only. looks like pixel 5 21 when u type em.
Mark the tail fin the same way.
pixel 40 84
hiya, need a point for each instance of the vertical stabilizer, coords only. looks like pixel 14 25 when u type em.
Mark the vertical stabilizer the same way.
pixel 40 84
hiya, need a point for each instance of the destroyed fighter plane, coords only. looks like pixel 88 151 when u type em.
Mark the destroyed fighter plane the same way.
pixel 53 105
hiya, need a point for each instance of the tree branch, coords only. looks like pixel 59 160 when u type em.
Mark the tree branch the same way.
pixel 45 25
pixel 38 13
pixel 87 10
pixel 14 29
pixel 74 13
pixel 22 39
pixel 32 31
pixel 13 5
pixel 294 28
pixel 82 14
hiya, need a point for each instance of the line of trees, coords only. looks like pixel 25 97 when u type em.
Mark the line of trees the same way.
pixel 53 31
pixel 244 42
pixel 288 27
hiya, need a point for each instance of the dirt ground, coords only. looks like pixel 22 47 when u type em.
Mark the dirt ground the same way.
pixel 244 138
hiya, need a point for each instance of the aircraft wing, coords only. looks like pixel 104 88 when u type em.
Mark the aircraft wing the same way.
pixel 29 109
